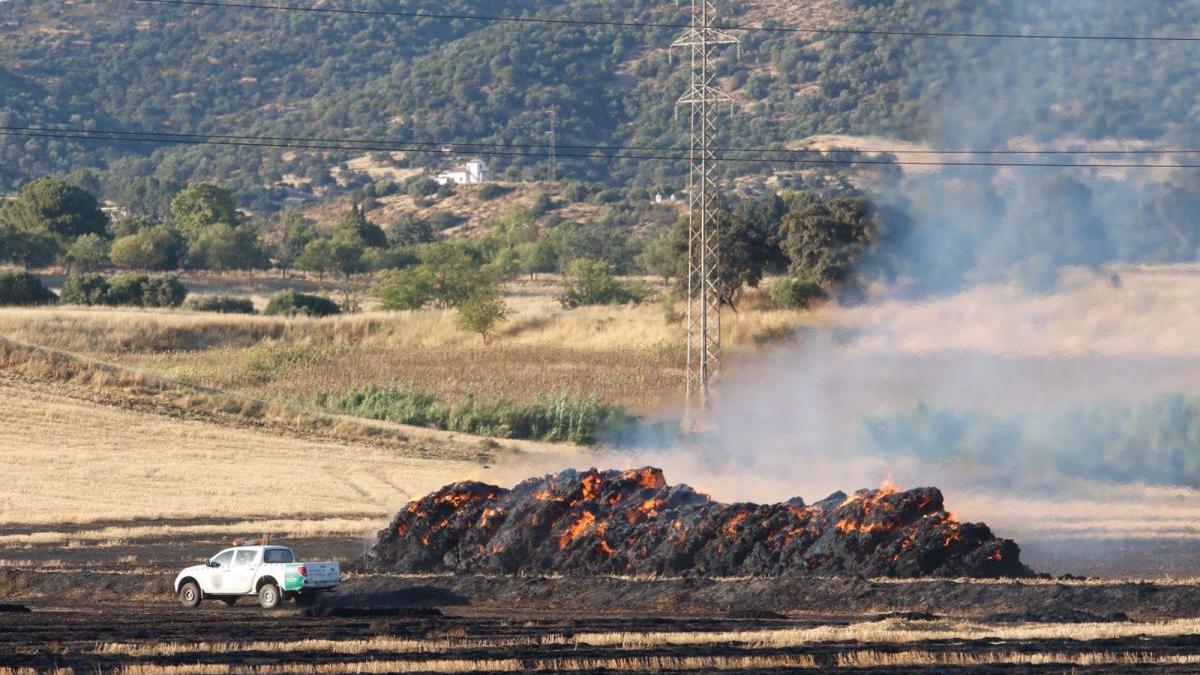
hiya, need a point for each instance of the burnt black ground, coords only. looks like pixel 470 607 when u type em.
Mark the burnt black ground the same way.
pixel 67 637
pixel 74 613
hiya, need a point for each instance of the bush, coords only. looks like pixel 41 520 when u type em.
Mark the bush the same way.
pixel 163 292
pixel 291 303
pixel 222 304
pixel 129 290
pixel 589 282
pixel 421 186
pixel 492 191
pixel 139 290
pixel 443 220
pixel 556 418
pixel 24 289
pixel 796 293
pixel 85 289
pixel 576 192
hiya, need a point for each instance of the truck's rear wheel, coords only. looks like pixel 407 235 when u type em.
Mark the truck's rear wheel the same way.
pixel 189 594
pixel 268 596
pixel 306 599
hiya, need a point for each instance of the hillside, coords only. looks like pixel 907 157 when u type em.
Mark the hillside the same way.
pixel 141 66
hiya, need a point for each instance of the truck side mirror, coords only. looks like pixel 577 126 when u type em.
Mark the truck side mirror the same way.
pixel 213 563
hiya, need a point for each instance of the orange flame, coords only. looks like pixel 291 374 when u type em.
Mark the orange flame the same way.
pixel 731 527
pixel 591 485
pixel 648 509
pixel 952 536
pixel 485 518
pixel 602 546
pixel 647 478
pixel 581 525
pixel 904 545
pixel 996 555
pixel 457 499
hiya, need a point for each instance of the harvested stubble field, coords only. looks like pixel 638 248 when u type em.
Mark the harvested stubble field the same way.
pixel 100 459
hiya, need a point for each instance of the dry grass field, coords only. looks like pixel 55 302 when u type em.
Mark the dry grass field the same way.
pixel 629 355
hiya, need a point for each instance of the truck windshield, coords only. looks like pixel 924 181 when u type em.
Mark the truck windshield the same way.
pixel 277 555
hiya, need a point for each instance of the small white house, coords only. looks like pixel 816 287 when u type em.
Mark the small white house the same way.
pixel 474 172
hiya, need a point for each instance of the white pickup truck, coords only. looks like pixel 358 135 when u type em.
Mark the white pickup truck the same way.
pixel 269 572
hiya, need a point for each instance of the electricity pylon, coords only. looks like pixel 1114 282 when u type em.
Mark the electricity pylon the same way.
pixel 552 164
pixel 703 41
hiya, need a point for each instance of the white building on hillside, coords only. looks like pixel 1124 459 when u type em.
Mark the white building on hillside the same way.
pixel 476 171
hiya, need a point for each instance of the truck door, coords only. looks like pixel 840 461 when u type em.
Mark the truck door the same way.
pixel 218 568
pixel 240 579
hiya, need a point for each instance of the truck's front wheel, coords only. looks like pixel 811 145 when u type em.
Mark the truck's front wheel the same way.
pixel 268 596
pixel 189 594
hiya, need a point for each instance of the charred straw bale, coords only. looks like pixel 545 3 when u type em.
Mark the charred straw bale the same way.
pixel 632 522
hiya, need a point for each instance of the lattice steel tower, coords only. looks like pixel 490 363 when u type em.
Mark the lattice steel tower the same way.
pixel 552 164
pixel 703 41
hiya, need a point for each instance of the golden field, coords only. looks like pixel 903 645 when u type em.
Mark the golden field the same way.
pixel 70 460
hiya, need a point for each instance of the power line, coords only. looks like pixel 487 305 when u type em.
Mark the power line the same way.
pixel 414 145
pixel 374 146
pixel 673 26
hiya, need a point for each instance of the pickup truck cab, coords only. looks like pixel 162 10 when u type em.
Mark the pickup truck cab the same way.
pixel 271 573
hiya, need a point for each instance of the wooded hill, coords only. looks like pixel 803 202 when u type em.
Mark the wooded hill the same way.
pixel 136 66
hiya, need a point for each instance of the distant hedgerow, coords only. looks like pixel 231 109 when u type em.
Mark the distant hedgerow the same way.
pixel 291 303
pixel 128 290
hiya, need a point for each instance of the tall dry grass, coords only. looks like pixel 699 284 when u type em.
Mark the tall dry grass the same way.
pixel 629 355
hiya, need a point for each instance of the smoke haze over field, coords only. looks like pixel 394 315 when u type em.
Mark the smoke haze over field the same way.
pixel 1033 409
pixel 1031 360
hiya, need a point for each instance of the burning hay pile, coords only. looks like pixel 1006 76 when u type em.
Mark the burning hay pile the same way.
pixel 632 522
